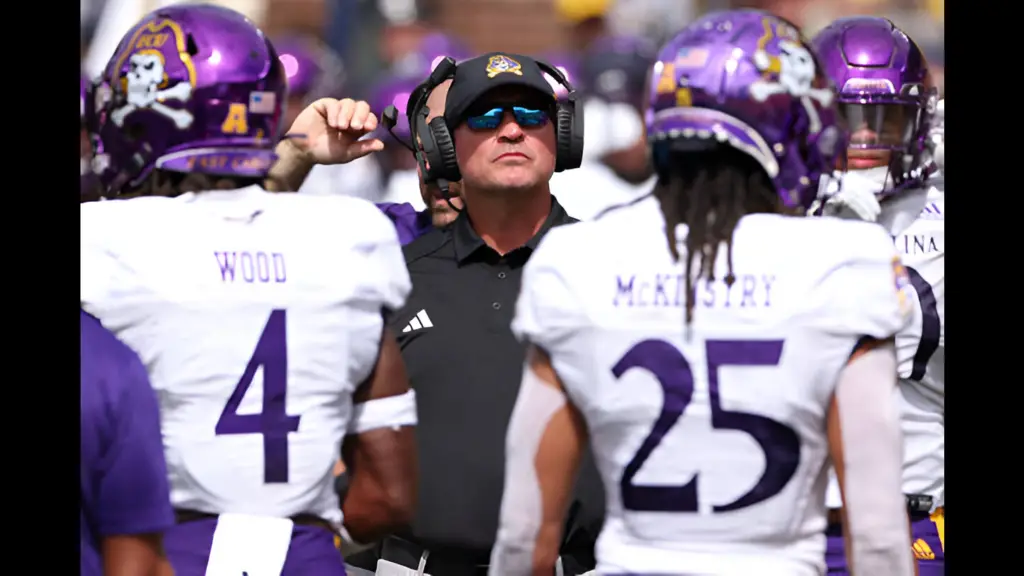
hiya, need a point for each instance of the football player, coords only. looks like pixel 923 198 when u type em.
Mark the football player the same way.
pixel 888 100
pixel 615 167
pixel 258 315
pixel 714 346
pixel 124 504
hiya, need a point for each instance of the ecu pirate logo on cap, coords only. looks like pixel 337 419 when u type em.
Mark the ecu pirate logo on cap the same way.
pixel 501 64
pixel 155 54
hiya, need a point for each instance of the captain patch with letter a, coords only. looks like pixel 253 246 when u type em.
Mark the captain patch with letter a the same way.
pixel 901 281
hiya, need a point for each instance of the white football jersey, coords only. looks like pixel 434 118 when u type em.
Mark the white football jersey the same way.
pixel 921 348
pixel 257 315
pixel 711 440
pixel 403 188
pixel 593 188
pixel 915 221
pixel 360 178
pixel 589 190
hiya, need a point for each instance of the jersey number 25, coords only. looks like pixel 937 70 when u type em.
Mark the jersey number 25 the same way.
pixel 272 422
pixel 780 443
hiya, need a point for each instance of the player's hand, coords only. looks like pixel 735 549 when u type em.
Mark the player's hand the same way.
pixel 328 131
pixel 854 201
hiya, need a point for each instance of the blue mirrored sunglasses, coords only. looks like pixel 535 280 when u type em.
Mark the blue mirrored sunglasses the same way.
pixel 525 117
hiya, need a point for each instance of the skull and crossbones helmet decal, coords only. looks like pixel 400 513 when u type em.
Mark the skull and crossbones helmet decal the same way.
pixel 792 72
pixel 145 87
pixel 191 88
pixel 749 80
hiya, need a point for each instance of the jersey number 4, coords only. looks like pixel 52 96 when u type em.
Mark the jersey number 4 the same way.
pixel 780 443
pixel 272 422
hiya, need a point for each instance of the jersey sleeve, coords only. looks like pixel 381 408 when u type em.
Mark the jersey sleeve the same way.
pixel 385 275
pixel 133 496
pixel 868 292
pixel 104 277
pixel 547 311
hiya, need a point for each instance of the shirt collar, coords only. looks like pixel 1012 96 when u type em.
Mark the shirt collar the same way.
pixel 467 242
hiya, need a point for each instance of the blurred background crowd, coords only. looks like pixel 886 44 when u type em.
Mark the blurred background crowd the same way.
pixel 379 50
pixel 367 37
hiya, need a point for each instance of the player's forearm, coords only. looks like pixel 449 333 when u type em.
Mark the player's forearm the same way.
pixel 876 520
pixel 292 166
pixel 534 556
pixel 542 453
pixel 381 496
pixel 135 555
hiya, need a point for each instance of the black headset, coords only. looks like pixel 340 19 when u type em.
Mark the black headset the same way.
pixel 437 148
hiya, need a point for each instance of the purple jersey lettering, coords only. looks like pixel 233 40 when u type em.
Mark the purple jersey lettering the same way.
pixel 779 442
pixel 669 290
pixel 251 267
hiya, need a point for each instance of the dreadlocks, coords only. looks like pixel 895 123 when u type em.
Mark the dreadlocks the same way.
pixel 709 190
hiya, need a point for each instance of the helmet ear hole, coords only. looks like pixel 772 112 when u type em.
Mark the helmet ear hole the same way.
pixel 191 46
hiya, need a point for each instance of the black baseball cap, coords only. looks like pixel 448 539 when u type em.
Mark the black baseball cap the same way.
pixel 477 76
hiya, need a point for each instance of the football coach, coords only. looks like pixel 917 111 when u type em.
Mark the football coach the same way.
pixel 503 134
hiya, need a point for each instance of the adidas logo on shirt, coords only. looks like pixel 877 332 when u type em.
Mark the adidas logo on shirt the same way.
pixel 922 551
pixel 420 321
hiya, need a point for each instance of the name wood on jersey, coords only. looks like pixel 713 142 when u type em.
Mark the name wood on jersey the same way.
pixel 669 290
pixel 251 267
pixel 913 244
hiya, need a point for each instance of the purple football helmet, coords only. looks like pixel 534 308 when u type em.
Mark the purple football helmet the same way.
pixel 314 71
pixel 885 93
pixel 394 90
pixel 568 65
pixel 614 68
pixel 431 50
pixel 750 80
pixel 191 88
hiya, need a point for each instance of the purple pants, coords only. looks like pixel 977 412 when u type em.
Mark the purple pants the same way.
pixel 312 550
pixel 928 536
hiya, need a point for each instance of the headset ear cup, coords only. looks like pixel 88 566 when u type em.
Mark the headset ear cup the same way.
pixel 563 139
pixel 448 164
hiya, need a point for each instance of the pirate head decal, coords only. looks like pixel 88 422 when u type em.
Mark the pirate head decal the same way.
pixel 501 65
pixel 154 74
pixel 788 67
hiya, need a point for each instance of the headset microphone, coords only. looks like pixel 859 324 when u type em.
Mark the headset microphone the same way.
pixel 390 118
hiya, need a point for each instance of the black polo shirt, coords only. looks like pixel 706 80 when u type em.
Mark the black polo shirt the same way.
pixel 466 367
